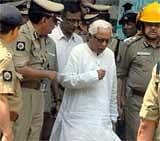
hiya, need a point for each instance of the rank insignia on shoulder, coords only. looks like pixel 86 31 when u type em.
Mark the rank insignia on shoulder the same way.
pixel 20 46
pixel 132 39
pixel 7 75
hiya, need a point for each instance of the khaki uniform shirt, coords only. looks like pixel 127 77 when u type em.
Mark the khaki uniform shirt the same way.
pixel 9 82
pixel 151 104
pixel 30 48
pixel 137 64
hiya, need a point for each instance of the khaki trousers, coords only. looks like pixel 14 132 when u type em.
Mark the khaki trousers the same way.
pixel 29 124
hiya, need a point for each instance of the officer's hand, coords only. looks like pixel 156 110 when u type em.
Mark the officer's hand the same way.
pixel 101 73
pixel 8 136
pixel 52 75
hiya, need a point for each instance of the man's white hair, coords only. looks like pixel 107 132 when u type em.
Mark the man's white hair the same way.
pixel 93 28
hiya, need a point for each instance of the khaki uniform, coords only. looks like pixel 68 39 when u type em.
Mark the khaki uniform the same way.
pixel 136 66
pixel 151 104
pixel 9 82
pixel 9 79
pixel 29 50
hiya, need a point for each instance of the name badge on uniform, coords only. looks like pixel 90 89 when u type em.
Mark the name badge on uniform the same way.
pixel 7 75
pixel 144 53
pixel 20 46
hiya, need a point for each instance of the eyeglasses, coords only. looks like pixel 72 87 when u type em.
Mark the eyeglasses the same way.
pixel 102 40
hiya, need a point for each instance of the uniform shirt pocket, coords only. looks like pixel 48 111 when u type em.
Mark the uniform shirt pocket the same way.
pixel 143 60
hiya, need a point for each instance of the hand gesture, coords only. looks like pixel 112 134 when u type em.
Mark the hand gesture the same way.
pixel 7 136
pixel 101 73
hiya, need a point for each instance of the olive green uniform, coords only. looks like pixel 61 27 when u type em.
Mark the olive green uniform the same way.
pixel 49 91
pixel 51 65
pixel 30 50
pixel 136 66
pixel 118 47
pixel 9 81
pixel 151 103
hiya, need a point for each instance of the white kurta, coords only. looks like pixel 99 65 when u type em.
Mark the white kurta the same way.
pixel 64 46
pixel 88 104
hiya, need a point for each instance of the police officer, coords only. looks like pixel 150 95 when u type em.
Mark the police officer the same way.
pixel 87 19
pixel 142 52
pixel 10 92
pixel 128 22
pixel 101 9
pixel 149 128
pixel 30 56
pixel 90 13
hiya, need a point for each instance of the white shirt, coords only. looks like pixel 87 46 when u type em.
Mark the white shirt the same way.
pixel 64 46
pixel 89 104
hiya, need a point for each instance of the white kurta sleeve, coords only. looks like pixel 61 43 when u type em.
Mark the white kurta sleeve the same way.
pixel 113 100
pixel 74 77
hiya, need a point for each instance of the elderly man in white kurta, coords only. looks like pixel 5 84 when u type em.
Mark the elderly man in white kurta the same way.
pixel 89 104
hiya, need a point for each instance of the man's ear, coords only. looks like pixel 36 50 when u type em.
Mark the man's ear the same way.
pixel 43 20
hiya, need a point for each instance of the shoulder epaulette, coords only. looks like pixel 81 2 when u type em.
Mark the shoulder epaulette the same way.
pixel 132 39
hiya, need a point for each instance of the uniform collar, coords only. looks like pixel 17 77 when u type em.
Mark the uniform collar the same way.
pixel 63 36
pixel 1 43
pixel 147 44
pixel 32 30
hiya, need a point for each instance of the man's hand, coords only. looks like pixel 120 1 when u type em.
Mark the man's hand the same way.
pixel 7 136
pixel 146 130
pixel 101 73
pixel 52 75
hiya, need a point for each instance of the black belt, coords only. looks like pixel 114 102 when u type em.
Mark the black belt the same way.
pixel 138 93
pixel 32 84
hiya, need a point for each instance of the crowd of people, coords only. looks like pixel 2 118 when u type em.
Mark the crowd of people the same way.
pixel 64 76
